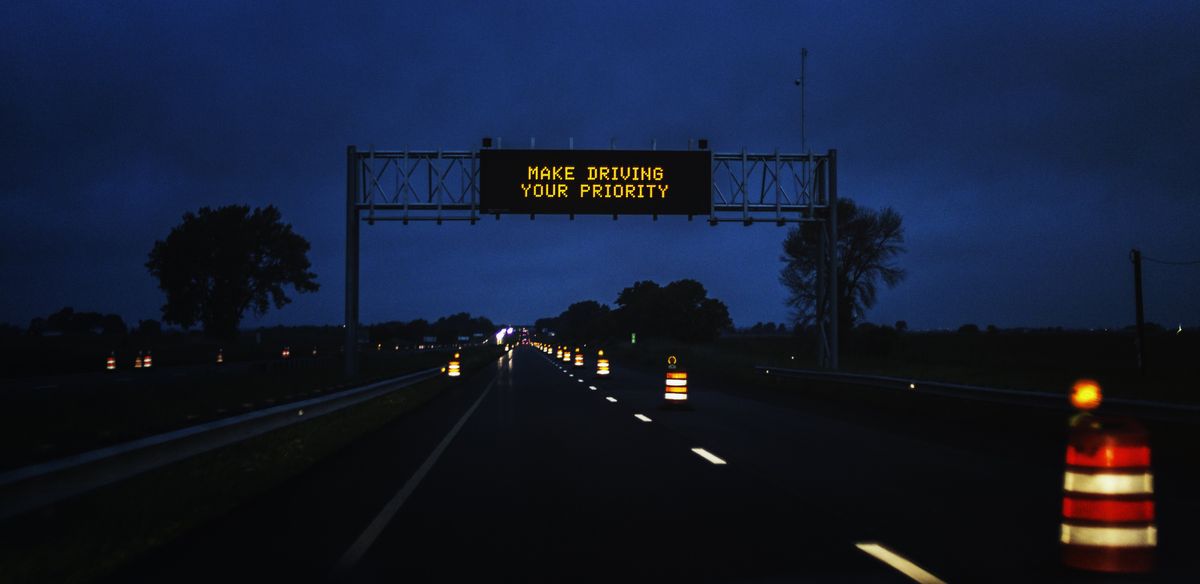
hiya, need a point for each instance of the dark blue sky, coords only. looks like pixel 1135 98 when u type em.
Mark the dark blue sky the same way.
pixel 1028 145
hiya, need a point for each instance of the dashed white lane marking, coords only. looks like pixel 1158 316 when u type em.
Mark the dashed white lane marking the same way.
pixel 592 387
pixel 368 536
pixel 706 455
pixel 899 563
pixel 641 417
pixel 579 380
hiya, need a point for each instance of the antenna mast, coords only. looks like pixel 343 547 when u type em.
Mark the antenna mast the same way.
pixel 800 82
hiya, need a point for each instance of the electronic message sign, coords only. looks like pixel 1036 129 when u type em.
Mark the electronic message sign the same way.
pixel 616 182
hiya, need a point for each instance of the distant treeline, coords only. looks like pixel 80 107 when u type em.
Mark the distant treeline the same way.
pixel 69 322
pixel 446 329
pixel 680 310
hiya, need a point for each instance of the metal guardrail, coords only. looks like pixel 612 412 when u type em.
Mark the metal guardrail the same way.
pixel 38 485
pixel 1145 408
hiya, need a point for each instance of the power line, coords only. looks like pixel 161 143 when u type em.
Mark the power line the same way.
pixel 1170 263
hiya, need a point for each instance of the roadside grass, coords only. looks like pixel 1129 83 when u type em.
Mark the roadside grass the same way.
pixel 84 538
pixel 78 353
pixel 41 426
pixel 990 428
pixel 1040 361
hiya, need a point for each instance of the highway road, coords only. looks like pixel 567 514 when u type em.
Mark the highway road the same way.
pixel 527 472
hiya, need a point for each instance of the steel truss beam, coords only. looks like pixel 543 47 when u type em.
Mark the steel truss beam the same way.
pixel 443 185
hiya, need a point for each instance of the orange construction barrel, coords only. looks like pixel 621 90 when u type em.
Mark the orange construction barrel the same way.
pixel 111 363
pixel 454 368
pixel 675 390
pixel 601 364
pixel 1108 497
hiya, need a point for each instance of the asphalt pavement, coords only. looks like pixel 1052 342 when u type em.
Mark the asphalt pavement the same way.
pixel 532 471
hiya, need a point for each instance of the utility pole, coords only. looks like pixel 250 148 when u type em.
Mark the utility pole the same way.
pixel 1136 256
pixel 351 324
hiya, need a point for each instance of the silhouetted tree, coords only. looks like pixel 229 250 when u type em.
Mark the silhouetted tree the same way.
pixel 691 315
pixel 220 262
pixel 760 328
pixel 67 321
pixel 968 329
pixel 640 308
pixel 902 326
pixel 37 326
pixel 547 324
pixel 681 310
pixel 149 328
pixel 868 243
pixel 449 328
pixel 584 322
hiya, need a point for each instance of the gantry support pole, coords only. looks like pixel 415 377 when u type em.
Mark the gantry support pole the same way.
pixel 824 350
pixel 351 324
pixel 832 285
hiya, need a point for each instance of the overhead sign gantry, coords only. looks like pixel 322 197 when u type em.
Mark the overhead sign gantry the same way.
pixel 467 185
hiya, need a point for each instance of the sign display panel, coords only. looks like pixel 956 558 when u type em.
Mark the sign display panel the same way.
pixel 620 182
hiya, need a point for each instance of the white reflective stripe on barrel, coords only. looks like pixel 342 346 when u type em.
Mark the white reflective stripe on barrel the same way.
pixel 1108 483
pixel 676 383
pixel 677 396
pixel 1145 536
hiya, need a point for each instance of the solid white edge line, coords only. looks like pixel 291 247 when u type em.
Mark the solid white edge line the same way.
pixel 898 562
pixel 706 455
pixel 360 546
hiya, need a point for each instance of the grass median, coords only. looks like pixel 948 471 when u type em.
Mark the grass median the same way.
pixel 45 425
pixel 88 536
